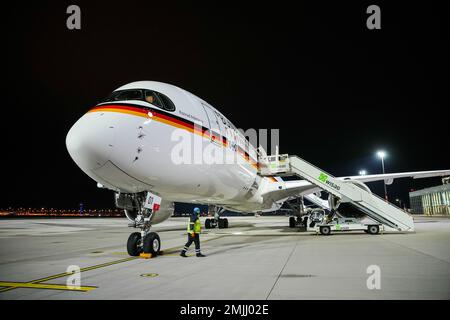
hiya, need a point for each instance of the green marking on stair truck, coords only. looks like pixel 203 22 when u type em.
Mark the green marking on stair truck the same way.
pixel 323 177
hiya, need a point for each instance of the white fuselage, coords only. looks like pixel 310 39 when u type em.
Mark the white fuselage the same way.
pixel 131 146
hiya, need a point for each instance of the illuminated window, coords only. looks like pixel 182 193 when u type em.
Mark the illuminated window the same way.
pixel 155 98
pixel 152 98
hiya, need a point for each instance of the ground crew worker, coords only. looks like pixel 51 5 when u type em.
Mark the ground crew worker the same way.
pixel 194 228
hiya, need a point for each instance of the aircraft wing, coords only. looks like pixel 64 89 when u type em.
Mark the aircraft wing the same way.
pixel 289 189
pixel 303 187
pixel 389 177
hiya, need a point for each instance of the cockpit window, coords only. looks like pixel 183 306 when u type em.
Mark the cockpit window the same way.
pixel 150 96
pixel 168 104
pixel 126 95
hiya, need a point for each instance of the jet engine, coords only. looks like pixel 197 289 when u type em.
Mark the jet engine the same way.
pixel 359 184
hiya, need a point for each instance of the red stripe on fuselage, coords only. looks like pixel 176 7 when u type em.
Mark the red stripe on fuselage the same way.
pixel 143 110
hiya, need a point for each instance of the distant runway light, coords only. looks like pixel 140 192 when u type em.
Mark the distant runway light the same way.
pixel 362 172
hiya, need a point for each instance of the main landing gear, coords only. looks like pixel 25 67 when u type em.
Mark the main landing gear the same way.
pixel 144 241
pixel 211 223
pixel 222 223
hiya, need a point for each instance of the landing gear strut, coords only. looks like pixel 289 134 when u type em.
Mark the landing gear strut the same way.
pixel 144 241
pixel 222 223
pixel 298 208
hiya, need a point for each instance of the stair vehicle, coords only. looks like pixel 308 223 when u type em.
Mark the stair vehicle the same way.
pixel 346 224
pixel 340 191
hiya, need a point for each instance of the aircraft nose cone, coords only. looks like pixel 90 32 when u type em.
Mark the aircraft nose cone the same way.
pixel 90 141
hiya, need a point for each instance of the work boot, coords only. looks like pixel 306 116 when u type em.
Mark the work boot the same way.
pixel 183 254
pixel 200 255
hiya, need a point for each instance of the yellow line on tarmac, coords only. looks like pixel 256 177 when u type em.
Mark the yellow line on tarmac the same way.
pixel 45 286
pixel 65 274
pixel 37 283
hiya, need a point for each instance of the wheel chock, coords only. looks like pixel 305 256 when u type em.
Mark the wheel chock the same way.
pixel 145 255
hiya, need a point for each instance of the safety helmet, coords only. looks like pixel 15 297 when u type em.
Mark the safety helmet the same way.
pixel 196 210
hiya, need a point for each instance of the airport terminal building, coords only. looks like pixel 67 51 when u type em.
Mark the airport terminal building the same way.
pixel 431 201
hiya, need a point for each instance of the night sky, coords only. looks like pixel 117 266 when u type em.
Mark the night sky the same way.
pixel 336 90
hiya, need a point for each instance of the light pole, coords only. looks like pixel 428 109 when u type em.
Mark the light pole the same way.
pixel 382 154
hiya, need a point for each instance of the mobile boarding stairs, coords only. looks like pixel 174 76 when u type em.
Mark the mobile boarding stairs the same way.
pixel 347 191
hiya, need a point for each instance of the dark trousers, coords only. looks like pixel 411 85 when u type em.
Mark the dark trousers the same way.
pixel 195 239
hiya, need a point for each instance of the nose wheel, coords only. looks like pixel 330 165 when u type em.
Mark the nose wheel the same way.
pixel 150 244
pixel 134 244
pixel 144 241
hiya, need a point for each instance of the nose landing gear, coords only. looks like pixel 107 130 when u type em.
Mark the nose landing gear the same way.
pixel 144 241
pixel 134 244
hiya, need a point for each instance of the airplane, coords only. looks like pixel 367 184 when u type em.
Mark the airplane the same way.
pixel 142 143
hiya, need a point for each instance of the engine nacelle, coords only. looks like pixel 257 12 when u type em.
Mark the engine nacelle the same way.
pixel 359 184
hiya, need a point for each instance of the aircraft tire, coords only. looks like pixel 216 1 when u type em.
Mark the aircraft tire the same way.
pixel 225 223
pixel 133 247
pixel 208 224
pixel 152 243
pixel 221 224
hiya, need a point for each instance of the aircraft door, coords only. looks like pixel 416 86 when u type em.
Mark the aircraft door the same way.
pixel 215 131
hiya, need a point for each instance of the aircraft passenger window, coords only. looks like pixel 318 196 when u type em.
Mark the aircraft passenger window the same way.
pixel 167 103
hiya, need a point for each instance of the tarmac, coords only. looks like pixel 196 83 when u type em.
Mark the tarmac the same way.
pixel 256 258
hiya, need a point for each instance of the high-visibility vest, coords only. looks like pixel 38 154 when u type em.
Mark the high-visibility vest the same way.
pixel 197 226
